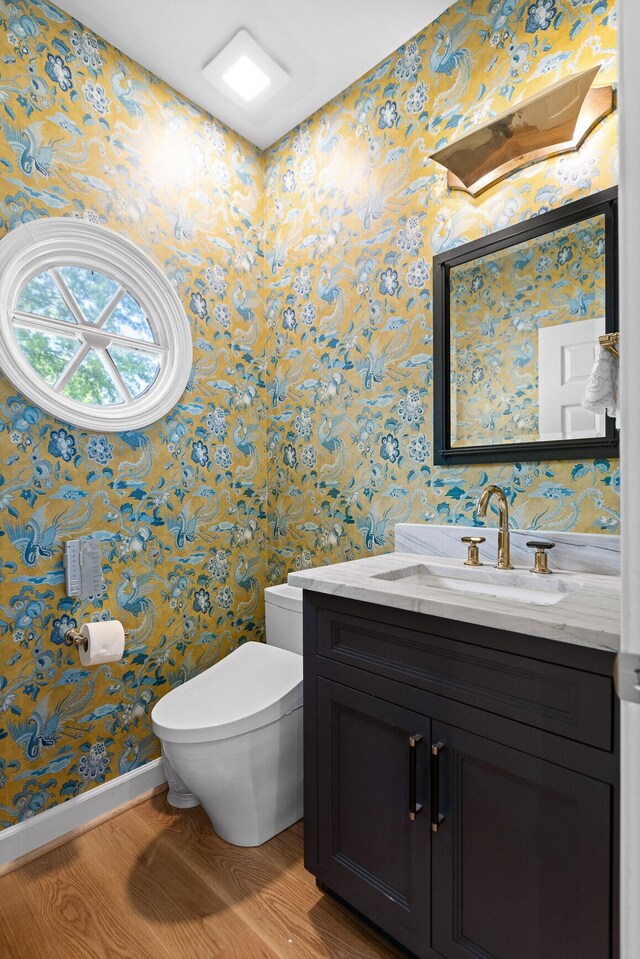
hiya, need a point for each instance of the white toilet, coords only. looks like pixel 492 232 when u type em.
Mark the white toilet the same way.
pixel 233 734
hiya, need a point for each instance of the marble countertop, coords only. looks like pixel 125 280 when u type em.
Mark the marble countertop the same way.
pixel 588 614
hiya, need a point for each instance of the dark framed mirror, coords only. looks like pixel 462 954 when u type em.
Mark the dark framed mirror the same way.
pixel 517 316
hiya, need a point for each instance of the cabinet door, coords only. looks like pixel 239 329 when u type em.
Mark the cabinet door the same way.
pixel 522 858
pixel 370 850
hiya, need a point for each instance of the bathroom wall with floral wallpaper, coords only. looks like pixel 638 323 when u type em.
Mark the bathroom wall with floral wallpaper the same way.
pixel 355 211
pixel 305 431
pixel 179 507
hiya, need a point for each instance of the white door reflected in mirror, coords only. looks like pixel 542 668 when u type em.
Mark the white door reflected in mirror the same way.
pixel 567 353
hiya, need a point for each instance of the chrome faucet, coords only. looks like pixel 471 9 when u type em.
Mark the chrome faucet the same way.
pixel 504 550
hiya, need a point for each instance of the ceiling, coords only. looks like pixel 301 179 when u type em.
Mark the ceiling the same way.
pixel 323 44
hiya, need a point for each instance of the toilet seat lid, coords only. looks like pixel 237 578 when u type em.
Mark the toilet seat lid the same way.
pixel 251 687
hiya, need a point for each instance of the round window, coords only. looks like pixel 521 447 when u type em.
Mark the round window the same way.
pixel 92 330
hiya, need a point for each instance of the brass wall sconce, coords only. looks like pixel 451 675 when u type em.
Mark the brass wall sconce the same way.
pixel 553 122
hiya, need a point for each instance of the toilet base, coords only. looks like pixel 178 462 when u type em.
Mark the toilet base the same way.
pixel 182 800
pixel 250 785
pixel 179 794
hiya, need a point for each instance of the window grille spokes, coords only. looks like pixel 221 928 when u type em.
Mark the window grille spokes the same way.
pixel 72 367
pixel 67 296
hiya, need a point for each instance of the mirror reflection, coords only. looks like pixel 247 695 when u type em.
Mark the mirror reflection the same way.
pixel 524 327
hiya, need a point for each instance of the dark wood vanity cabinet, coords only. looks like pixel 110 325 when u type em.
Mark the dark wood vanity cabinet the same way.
pixel 523 856
pixel 369 851
pixel 461 783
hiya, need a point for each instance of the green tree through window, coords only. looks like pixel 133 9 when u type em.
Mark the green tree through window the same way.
pixel 86 337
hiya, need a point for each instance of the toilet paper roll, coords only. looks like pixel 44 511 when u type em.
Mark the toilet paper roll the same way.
pixel 105 642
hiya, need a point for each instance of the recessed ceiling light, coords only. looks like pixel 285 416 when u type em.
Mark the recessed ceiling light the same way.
pixel 245 73
pixel 246 78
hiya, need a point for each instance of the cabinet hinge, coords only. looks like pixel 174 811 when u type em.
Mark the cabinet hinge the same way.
pixel 626 676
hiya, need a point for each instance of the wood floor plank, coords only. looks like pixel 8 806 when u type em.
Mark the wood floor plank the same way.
pixel 50 907
pixel 158 883
pixel 269 887
pixel 153 881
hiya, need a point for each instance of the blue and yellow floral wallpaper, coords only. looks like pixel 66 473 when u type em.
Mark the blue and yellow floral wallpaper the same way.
pixel 180 507
pixel 355 211
pixel 498 304
pixel 305 431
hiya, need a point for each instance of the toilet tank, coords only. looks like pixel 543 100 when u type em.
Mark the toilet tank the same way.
pixel 283 615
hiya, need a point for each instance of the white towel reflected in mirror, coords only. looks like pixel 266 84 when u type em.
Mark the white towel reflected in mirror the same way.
pixel 601 393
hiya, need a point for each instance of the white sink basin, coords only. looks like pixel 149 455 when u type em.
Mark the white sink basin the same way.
pixel 516 585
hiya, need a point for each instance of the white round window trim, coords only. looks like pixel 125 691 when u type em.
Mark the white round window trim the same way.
pixel 54 242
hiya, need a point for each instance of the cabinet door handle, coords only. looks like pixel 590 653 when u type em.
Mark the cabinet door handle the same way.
pixel 414 805
pixel 436 818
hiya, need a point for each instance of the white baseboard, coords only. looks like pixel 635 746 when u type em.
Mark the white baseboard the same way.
pixel 70 816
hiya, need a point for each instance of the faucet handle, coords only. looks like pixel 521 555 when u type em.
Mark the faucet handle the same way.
pixel 540 561
pixel 473 556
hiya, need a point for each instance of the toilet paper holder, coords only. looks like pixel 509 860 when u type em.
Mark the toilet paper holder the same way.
pixel 73 637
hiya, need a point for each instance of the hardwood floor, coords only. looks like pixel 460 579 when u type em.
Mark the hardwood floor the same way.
pixel 154 882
